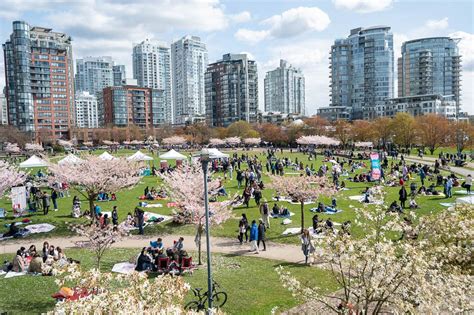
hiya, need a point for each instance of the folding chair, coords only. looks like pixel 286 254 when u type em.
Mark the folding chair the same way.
pixel 187 265
pixel 163 264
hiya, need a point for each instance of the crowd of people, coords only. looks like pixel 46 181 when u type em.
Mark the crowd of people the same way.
pixel 36 261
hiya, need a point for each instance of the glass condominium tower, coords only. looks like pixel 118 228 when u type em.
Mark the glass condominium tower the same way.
pixel 285 90
pixel 430 66
pixel 151 62
pixel 189 62
pixel 362 71
pixel 39 81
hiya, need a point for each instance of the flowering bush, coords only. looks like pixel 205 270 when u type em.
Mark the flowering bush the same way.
pixel 33 147
pixel 110 293
pixel 382 272
pixel 12 148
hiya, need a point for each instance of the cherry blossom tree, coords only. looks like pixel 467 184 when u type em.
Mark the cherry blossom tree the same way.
pixel 88 143
pixel 95 175
pixel 98 239
pixel 317 140
pixel 66 144
pixel 216 142
pixel 34 147
pixel 174 140
pixel 232 140
pixel 12 148
pixel 383 272
pixel 252 141
pixel 135 294
pixel 186 186
pixel 302 189
pixel 107 142
pixel 9 177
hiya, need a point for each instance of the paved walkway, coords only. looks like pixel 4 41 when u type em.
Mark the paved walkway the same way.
pixel 433 159
pixel 458 170
pixel 283 252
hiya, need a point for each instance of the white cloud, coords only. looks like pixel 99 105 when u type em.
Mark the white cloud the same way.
pixel 437 24
pixel 363 6
pixel 312 57
pixel 288 24
pixel 241 17
pixel 466 49
pixel 249 36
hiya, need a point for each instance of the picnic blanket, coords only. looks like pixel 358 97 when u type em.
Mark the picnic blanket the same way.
pixel 286 221
pixel 467 199
pixel 276 216
pixel 171 204
pixel 154 205
pixel 40 228
pixel 12 274
pixel 325 212
pixel 292 231
pixel 460 192
pixel 123 268
pixel 292 202
pixel 361 198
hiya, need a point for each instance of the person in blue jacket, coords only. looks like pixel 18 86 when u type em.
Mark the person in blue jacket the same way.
pixel 254 237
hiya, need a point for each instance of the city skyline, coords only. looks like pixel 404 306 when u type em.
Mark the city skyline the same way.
pixel 300 32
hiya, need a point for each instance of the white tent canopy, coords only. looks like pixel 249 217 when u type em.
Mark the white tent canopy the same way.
pixel 139 156
pixel 216 154
pixel 106 156
pixel 70 159
pixel 33 161
pixel 172 155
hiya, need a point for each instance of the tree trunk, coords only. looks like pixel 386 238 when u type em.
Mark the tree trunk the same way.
pixel 199 242
pixel 302 216
pixel 92 198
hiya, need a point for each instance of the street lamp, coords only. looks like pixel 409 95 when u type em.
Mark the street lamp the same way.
pixel 206 156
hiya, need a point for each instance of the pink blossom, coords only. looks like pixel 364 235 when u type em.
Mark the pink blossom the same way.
pixel 317 140
pixel 216 142
pixel 34 147
pixel 9 177
pixel 252 141
pixel 174 140
pixel 12 148
pixel 232 140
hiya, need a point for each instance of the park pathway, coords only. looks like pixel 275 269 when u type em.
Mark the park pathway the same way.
pixel 284 252
pixel 458 170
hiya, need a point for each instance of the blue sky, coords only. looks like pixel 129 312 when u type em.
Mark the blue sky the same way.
pixel 300 31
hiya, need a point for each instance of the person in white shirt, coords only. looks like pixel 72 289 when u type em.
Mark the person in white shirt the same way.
pixel 468 184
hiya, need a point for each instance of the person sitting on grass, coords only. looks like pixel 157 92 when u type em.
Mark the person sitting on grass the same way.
pixel 394 207
pixel 36 264
pixel 329 225
pixel 18 264
pixel 413 204
pixel 143 261
pixel 366 195
pixel 422 190
pixel 315 221
pixel 12 230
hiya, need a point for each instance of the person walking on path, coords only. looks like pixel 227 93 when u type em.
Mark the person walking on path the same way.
pixel 306 245
pixel 265 213
pixel 245 224
pixel 45 198
pixel 254 237
pixel 261 235
pixel 468 184
pixel 114 216
pixel 242 231
pixel 54 197
pixel 403 196
pixel 257 194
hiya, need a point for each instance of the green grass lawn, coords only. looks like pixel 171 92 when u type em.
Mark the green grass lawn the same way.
pixel 128 199
pixel 251 283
